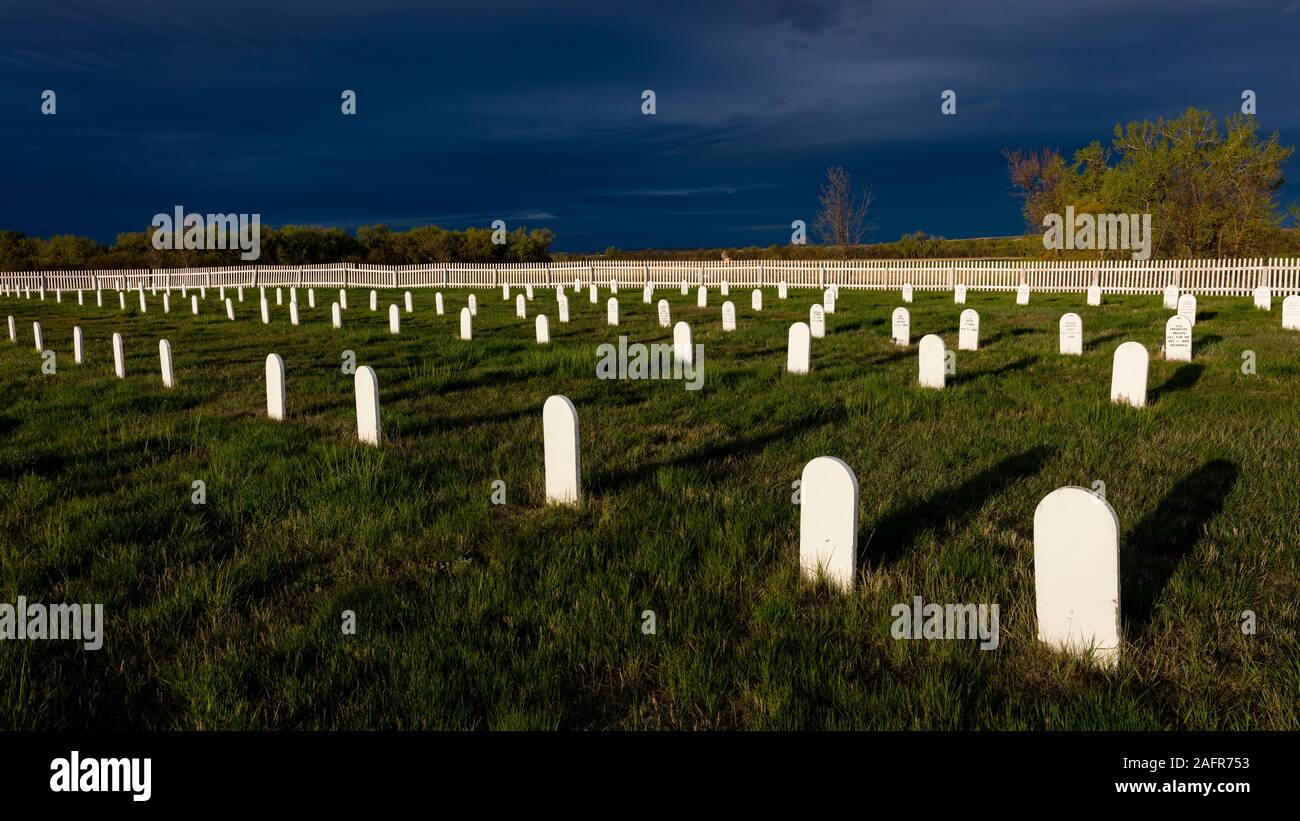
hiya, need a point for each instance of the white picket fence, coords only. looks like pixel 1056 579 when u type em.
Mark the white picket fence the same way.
pixel 1222 277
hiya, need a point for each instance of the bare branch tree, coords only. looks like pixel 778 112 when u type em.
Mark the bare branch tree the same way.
pixel 842 221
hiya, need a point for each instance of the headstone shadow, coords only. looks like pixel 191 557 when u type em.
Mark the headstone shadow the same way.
pixel 1182 379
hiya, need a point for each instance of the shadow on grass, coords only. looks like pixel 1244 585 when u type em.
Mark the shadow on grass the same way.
pixel 944 511
pixel 1152 551
pixel 1182 379
pixel 1019 365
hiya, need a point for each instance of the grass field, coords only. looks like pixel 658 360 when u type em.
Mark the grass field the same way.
pixel 475 615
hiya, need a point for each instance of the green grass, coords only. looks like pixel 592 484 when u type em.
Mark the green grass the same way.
pixel 472 615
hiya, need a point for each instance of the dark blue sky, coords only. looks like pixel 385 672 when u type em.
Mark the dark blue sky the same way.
pixel 531 112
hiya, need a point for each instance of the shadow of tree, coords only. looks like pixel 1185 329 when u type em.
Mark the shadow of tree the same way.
pixel 1152 551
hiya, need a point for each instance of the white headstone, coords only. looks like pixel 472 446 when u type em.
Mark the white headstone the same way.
pixel 828 300
pixel 81 297
pixel 931 354
pixel 336 315
pixel 165 361
pixel 466 324
pixel 592 296
pixel 119 357
pixel 665 318
pixel 343 299
pixel 1291 313
pixel 701 297
pixel 1022 294
pixel 611 311
pixel 1071 333
pixel 1170 294
pixel 686 287
pixel 1094 295
pixel 394 320
pixel 528 291
pixel 968 333
pixel 521 310
pixel 194 305
pixel 437 303
pixel 167 303
pixel 1076 574
pixel 817 321
pixel 240 293
pixel 756 300
pixel 367 390
pixel 828 521
pixel 230 310
pixel 1187 307
pixel 13 331
pixel 121 298
pixel 374 300
pixel 279 296
pixel 728 316
pixel 1263 298
pixel 293 312
pixel 782 290
pixel 901 327
pixel 798 348
pixel 561 443
pixel 275 393
pixel 564 309
pixel 78 347
pixel 473 305
pixel 293 293
pixel 203 292
pixel 726 288
pixel 266 312
pixel 907 293
pixel 505 292
pixel 543 329
pixel 410 302
pixel 311 297
pixel 38 337
pixel 143 307
pixel 683 350
pixel 647 294
pixel 959 294
pixel 1128 379
pixel 1178 339
pixel 613 285
pixel 99 298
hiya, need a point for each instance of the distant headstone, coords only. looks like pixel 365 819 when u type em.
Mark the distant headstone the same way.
pixel 1076 574
pixel 798 348
pixel 121 298
pixel 343 299
pixel 293 312
pixel 683 350
pixel 901 327
pixel 81 297
pixel 466 324
pixel 473 305
pixel 410 302
pixel 37 337
pixel 561 444
pixel 592 295
pixel 686 287
pixel 701 297
pixel 959 294
pixel 99 298
pixel 240 293
pixel 119 357
pixel 13 331
pixel 817 321
pixel 564 309
pixel 725 288
pixel 665 318
pixel 968 333
pixel 728 316
pixel 1094 294
pixel 311 297
pixel 1178 339
pixel 828 521
pixel 647 294
pixel 505 292
pixel 167 303
pixel 521 310
pixel 1263 298
pixel 194 305
pixel 611 311
pixel 78 346
pixel 543 329
pixel 1128 379
pixel 336 315
pixel 782 290
pixel 613 285
pixel 279 297
pixel 165 362
pixel 931 355
pixel 374 300
pixel 528 291
pixel 907 293
pixel 756 300
pixel 293 293
pixel 143 307
pixel 275 392
pixel 1291 313
pixel 437 303
pixel 1187 307
pixel 1071 333
pixel 1022 294
pixel 367 391
pixel 394 320
pixel 1171 297
pixel 266 312
pixel 828 300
